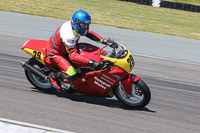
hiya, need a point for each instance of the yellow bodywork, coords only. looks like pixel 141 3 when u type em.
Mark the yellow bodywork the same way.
pixel 125 63
pixel 38 55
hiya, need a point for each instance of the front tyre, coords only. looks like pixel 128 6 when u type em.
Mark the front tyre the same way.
pixel 139 97
pixel 35 80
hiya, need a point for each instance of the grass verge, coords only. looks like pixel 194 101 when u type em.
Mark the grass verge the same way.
pixel 115 13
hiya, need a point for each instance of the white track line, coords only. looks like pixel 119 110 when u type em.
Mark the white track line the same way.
pixel 10 125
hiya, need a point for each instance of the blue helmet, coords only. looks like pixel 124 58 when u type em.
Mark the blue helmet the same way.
pixel 80 22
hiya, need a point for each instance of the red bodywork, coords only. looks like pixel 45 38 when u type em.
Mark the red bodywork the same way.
pixel 94 83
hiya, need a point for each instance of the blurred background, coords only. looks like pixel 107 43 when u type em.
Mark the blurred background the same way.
pixel 118 13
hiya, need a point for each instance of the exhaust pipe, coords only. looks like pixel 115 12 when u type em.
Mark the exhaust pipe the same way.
pixel 34 70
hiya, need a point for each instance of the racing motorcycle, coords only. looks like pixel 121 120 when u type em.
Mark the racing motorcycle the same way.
pixel 114 78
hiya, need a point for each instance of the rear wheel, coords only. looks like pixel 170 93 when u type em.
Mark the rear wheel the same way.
pixel 139 97
pixel 35 80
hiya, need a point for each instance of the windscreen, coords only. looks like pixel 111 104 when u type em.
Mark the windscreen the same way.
pixel 117 53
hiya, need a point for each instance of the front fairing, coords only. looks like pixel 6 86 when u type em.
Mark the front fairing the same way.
pixel 120 56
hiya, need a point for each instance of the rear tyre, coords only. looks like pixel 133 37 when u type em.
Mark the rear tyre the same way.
pixel 35 80
pixel 139 97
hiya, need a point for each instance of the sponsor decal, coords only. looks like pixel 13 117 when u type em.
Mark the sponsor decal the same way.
pixel 70 41
pixel 108 79
pixel 101 83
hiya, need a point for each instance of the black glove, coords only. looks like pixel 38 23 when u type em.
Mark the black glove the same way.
pixel 107 41
pixel 114 45
pixel 95 65
pixel 111 43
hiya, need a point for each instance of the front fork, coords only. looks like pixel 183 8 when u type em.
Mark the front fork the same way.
pixel 127 83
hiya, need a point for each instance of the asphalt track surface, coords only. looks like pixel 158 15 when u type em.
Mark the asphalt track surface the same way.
pixel 174 107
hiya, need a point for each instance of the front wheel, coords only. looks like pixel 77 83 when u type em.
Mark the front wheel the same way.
pixel 139 97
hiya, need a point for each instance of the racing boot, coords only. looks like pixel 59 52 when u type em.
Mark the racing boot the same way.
pixel 54 78
pixel 65 82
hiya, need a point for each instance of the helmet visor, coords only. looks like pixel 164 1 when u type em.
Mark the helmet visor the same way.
pixel 82 26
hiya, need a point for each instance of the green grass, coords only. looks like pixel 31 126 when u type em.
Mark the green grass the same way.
pixel 115 13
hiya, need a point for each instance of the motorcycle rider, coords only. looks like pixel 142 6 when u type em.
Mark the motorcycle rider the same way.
pixel 63 42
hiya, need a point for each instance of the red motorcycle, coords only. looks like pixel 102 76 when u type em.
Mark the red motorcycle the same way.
pixel 114 78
